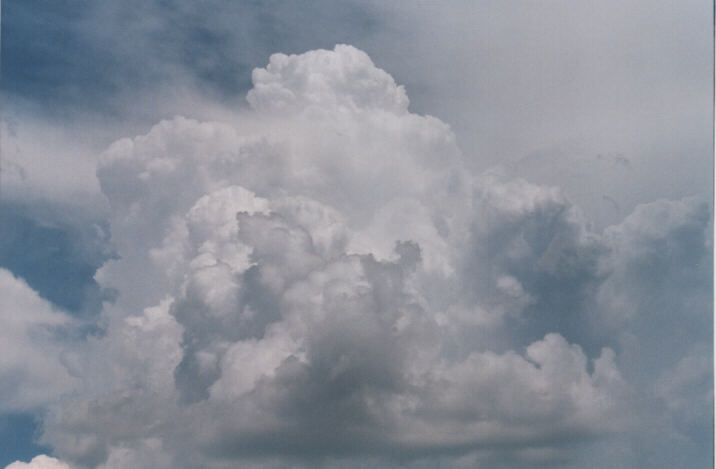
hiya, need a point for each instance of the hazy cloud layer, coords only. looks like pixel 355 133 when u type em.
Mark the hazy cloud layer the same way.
pixel 322 280
pixel 31 366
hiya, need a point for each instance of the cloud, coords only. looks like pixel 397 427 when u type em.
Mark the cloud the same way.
pixel 544 95
pixel 509 81
pixel 31 366
pixel 686 387
pixel 27 177
pixel 659 278
pixel 39 462
pixel 322 280
pixel 344 78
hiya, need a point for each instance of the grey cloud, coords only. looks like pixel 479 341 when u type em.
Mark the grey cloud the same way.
pixel 31 367
pixel 660 249
pixel 570 81
pixel 322 280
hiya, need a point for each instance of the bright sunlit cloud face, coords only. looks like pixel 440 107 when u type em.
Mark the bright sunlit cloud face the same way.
pixel 324 277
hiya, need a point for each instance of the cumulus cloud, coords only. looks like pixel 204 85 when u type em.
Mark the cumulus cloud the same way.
pixel 325 281
pixel 39 462
pixel 658 291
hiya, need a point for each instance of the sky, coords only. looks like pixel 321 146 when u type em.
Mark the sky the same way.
pixel 283 234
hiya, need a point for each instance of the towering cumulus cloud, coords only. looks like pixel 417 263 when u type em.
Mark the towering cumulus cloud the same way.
pixel 322 283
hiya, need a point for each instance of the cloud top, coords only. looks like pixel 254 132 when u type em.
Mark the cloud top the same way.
pixel 39 462
pixel 344 78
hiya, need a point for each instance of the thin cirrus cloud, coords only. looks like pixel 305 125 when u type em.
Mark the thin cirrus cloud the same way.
pixel 322 280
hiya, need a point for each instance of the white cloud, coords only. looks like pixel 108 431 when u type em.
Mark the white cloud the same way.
pixel 324 278
pixel 344 79
pixel 27 176
pixel 39 462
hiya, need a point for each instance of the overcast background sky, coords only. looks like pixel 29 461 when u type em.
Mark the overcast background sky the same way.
pixel 609 101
